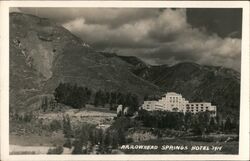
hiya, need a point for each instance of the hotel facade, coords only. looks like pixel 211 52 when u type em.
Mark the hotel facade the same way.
pixel 174 102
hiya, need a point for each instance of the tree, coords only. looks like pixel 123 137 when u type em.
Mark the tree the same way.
pixel 67 129
pixel 228 124
pixel 67 143
pixel 203 118
pixel 196 125
pixel 77 147
pixel 121 136
pixel 107 139
pixel 120 98
pixel 97 99
pixel 212 125
pixel 113 100
pixel 44 104
pixel 107 97
pixel 114 140
pixel 188 120
pixel 72 95
pixel 145 98
pixel 55 125
pixel 134 104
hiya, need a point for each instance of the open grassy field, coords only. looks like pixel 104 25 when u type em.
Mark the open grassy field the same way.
pixel 164 147
pixel 88 115
pixel 35 144
pixel 36 140
pixel 17 149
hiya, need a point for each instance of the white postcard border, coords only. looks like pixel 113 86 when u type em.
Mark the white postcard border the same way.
pixel 4 73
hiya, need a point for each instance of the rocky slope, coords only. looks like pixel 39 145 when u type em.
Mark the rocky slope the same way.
pixel 43 54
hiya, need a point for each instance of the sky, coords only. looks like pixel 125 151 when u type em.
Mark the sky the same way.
pixel 156 35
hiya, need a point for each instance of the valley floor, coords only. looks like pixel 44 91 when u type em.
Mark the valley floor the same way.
pixel 36 137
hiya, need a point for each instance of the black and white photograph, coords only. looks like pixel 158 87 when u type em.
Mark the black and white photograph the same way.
pixel 123 81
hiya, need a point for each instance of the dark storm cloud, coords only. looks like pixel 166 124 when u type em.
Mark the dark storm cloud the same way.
pixel 224 22
pixel 158 36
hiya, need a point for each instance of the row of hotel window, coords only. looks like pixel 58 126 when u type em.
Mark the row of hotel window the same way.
pixel 196 107
pixel 192 111
pixel 188 109
pixel 193 105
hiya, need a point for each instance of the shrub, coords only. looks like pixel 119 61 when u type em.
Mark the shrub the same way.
pixel 67 143
pixel 56 150
pixel 78 147
pixel 55 125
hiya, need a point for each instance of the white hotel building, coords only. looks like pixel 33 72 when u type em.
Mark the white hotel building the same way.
pixel 176 103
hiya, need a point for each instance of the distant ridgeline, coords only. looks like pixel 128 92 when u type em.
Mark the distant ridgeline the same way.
pixel 174 102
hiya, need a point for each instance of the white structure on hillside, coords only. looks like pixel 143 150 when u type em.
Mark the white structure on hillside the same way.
pixel 119 110
pixel 174 102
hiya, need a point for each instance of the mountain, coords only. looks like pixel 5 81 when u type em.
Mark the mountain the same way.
pixel 198 83
pixel 43 54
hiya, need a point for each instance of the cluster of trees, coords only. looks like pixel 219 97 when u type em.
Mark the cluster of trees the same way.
pixel 161 119
pixel 115 98
pixel 48 103
pixel 198 123
pixel 72 95
pixel 89 139
pixel 78 97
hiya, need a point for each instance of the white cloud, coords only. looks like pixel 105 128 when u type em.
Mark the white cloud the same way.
pixel 157 36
